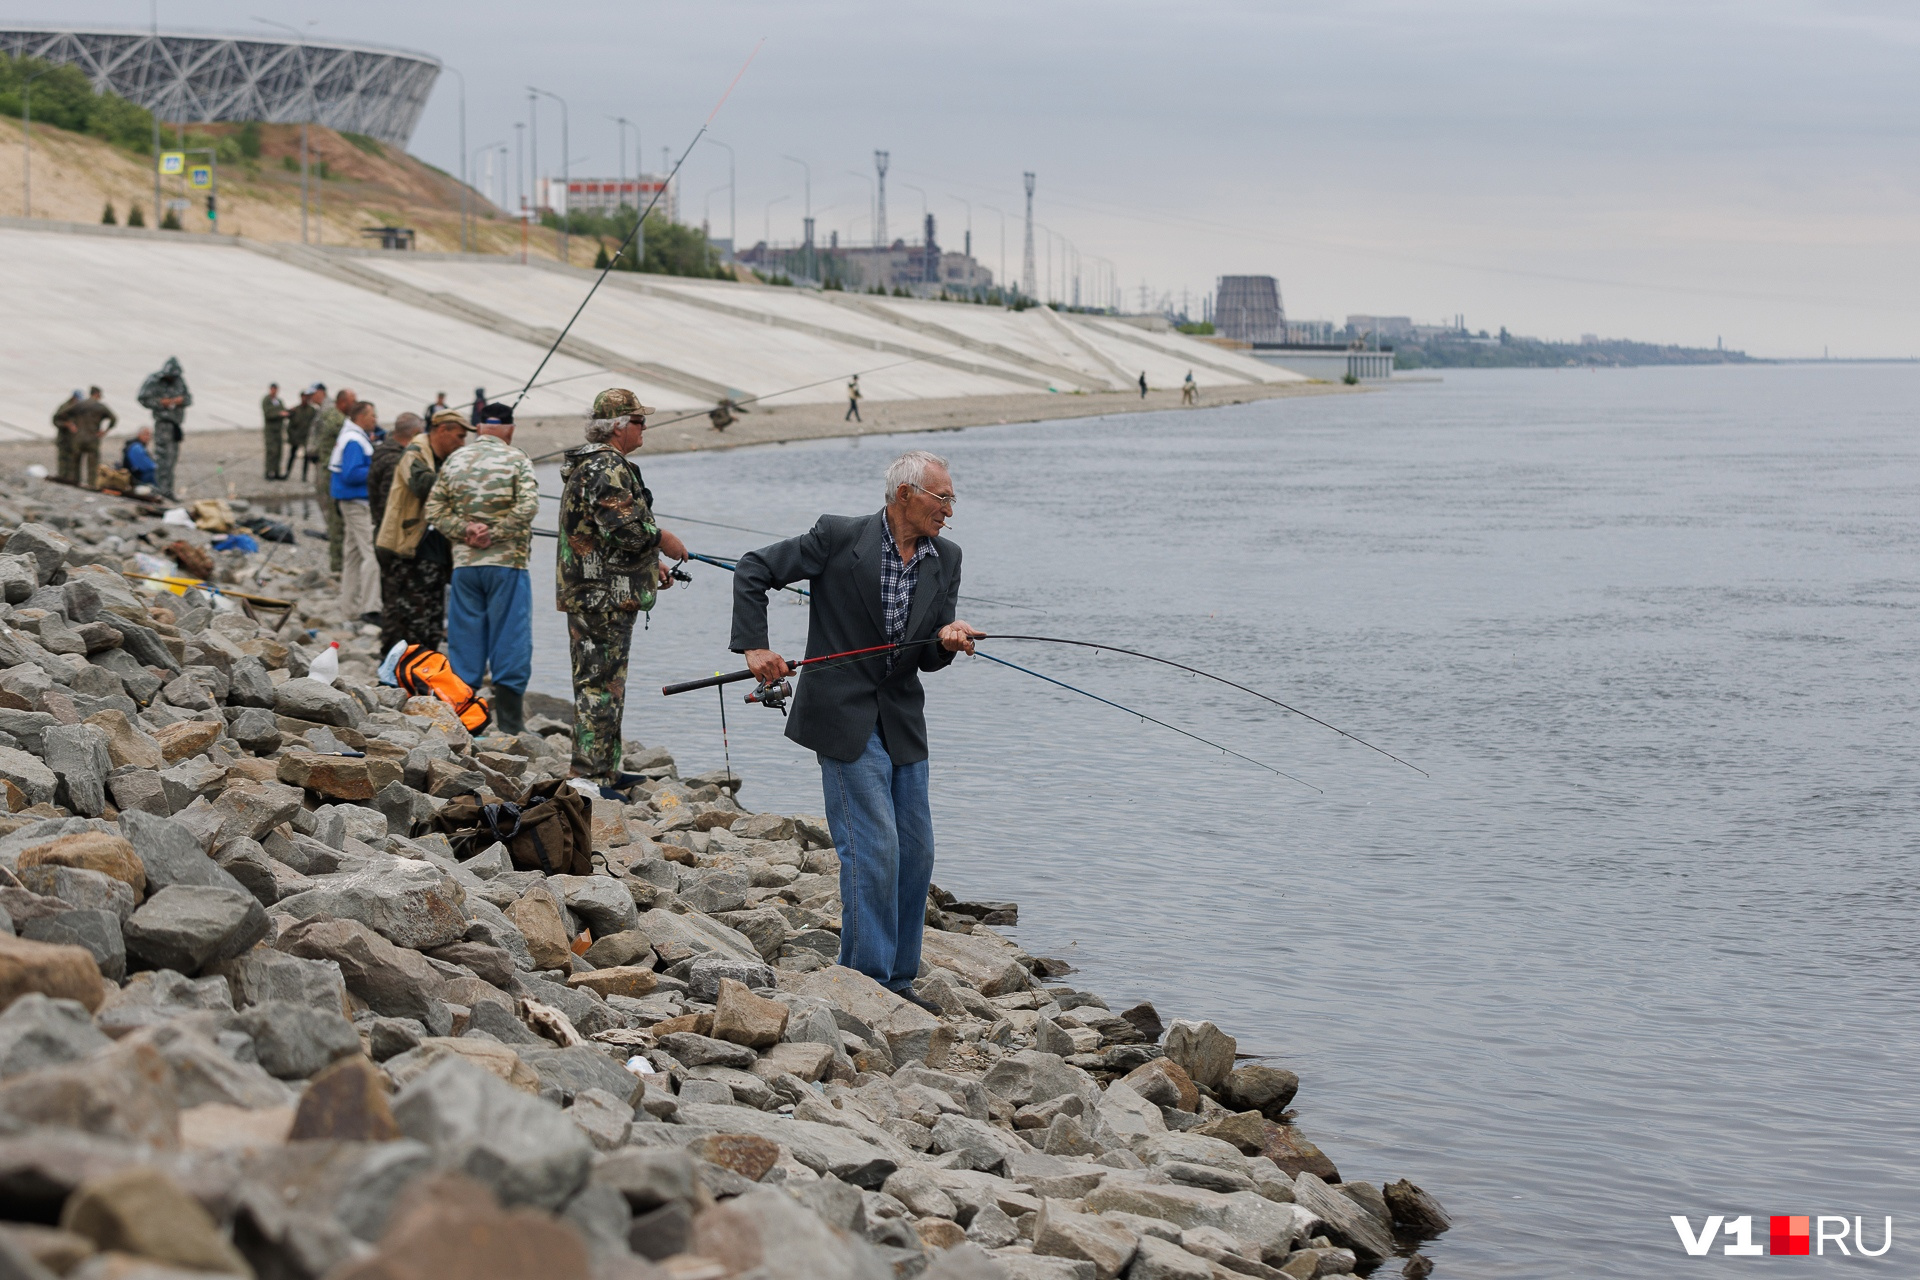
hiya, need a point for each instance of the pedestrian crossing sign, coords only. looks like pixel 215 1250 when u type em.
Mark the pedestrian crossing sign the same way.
pixel 173 162
pixel 200 177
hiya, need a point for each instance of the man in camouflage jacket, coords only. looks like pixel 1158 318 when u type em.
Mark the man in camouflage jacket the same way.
pixel 166 394
pixel 608 570
pixel 484 503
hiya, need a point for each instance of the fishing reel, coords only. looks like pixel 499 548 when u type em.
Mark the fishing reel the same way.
pixel 679 575
pixel 773 695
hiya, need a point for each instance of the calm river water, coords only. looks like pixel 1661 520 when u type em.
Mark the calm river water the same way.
pixel 1643 944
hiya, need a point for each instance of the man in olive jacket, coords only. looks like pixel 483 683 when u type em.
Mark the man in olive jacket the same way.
pixel 886 579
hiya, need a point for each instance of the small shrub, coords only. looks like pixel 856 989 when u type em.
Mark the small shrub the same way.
pixel 290 163
pixel 136 218
pixel 1351 380
pixel 171 222
pixel 369 145
pixel 106 217
pixel 249 139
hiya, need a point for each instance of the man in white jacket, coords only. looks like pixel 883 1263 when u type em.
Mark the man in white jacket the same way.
pixel 359 571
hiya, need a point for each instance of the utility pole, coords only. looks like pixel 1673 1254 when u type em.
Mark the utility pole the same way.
pixel 1029 285
pixel 566 184
pixel 153 11
pixel 880 241
pixel 520 165
pixel 533 150
pixel 806 240
pixel 963 200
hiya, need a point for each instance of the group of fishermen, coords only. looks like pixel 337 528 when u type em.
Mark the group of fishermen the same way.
pixel 430 524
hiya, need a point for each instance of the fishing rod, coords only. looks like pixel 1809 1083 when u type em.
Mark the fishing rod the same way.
pixel 737 528
pixel 733 677
pixel 1232 684
pixel 765 395
pixel 775 693
pixel 641 221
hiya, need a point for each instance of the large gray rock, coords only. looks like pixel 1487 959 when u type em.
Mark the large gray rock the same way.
pixel 292 1041
pixel 1204 1050
pixel 392 980
pixel 46 544
pixel 247 862
pixel 520 1147
pixel 146 648
pixel 706 974
pixel 1346 1222
pixel 204 1072
pixel 38 1032
pixel 35 780
pixel 683 937
pixel 78 887
pixel 96 929
pixel 601 901
pixel 257 730
pixel 172 855
pixel 489 924
pixel 27 727
pixel 267 974
pixel 647 1176
pixel 19 575
pixel 580 1068
pixel 1029 1076
pixel 160 996
pixel 187 927
pixel 693 1050
pixel 825 1149
pixel 1266 1230
pixel 1060 1232
pixel 768 1230
pixel 410 903
pixel 191 779
pixel 249 685
pixel 307 699
pixel 912 1034
pixel 137 790
pixel 77 754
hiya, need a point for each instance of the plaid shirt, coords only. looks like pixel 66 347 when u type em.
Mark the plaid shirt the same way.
pixel 897 580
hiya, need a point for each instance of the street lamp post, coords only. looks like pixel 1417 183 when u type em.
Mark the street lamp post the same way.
pixel 622 122
pixel 464 241
pixel 767 231
pixel 809 211
pixel 733 229
pixel 565 171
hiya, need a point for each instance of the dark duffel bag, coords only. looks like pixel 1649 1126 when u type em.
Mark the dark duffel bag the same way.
pixel 550 832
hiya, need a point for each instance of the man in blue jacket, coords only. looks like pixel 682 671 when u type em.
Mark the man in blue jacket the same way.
pixel 137 458
pixel 359 571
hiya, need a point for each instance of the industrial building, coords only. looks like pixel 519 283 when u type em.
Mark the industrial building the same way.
pixel 923 269
pixel 201 77
pixel 604 195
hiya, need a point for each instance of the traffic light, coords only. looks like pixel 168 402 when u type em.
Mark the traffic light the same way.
pixel 212 214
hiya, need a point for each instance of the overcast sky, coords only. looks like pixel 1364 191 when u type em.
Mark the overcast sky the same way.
pixel 1664 171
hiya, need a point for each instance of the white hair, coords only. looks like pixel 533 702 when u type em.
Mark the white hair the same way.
pixel 911 468
pixel 601 430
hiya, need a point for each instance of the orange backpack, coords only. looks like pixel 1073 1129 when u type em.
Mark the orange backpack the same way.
pixel 424 672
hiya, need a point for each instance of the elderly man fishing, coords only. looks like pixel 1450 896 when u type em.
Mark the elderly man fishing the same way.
pixel 890 581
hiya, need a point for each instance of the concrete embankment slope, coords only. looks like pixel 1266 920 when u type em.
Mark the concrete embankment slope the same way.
pixel 93 305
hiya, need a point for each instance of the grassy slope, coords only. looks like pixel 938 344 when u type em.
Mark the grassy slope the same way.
pixel 75 175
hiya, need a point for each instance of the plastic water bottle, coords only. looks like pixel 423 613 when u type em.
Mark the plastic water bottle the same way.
pixel 326 667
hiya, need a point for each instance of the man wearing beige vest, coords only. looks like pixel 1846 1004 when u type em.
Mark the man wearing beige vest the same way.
pixel 416 562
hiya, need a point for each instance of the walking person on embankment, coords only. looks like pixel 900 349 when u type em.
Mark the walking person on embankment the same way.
pixel 166 394
pixel 883 579
pixel 853 400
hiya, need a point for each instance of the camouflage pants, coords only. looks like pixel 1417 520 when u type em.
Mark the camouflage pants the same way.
pixel 86 460
pixel 599 644
pixel 166 452
pixel 68 467
pixel 273 442
pixel 413 600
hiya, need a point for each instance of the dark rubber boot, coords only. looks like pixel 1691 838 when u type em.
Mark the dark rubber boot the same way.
pixel 509 711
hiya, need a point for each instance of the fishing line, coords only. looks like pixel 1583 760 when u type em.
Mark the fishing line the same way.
pixel 732 565
pixel 638 223
pixel 1233 684
pixel 1149 719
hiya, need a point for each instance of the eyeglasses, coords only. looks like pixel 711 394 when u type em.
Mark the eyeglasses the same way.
pixel 944 499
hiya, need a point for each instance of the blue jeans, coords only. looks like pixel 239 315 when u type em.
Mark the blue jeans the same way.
pixel 490 624
pixel 883 830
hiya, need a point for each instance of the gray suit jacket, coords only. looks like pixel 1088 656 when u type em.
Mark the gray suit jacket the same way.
pixel 836 707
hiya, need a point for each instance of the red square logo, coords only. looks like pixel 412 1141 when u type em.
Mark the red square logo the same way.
pixel 1789 1235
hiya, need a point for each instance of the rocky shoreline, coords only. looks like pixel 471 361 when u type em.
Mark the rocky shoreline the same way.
pixel 257 1019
